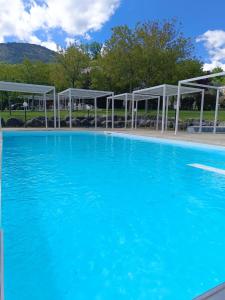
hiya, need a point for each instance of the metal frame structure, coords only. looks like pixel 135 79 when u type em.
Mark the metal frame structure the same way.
pixel 32 89
pixel 126 97
pixel 73 93
pixel 136 99
pixel 166 91
pixel 192 83
pixel 37 98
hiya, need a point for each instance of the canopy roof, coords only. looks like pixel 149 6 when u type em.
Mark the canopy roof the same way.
pixel 37 97
pixel 84 94
pixel 167 90
pixel 205 81
pixel 129 97
pixel 25 88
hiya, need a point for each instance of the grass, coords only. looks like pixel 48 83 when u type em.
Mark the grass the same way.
pixel 184 115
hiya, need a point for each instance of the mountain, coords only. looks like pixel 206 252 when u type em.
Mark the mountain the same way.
pixel 14 53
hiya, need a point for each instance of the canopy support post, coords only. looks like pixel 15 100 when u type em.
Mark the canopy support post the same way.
pixel 59 125
pixel 178 108
pixel 95 103
pixel 107 112
pixel 45 106
pixel 113 111
pixel 136 114
pixel 163 109
pixel 132 111
pixel 158 108
pixel 201 113
pixel 167 110
pixel 54 107
pixel 126 100
pixel 216 110
pixel 70 107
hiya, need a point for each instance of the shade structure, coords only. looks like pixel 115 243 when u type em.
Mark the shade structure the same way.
pixel 31 99
pixel 201 82
pixel 26 88
pixel 166 91
pixel 125 97
pixel 73 93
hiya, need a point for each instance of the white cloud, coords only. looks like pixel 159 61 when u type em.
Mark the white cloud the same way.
pixel 214 42
pixel 22 19
pixel 69 41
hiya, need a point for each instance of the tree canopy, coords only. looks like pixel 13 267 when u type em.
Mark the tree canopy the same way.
pixel 151 53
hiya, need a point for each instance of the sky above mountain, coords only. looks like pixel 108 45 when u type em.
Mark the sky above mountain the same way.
pixel 59 22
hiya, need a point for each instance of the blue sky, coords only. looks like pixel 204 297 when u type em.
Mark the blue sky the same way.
pixel 196 17
pixel 56 22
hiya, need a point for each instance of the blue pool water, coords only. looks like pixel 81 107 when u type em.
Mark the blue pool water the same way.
pixel 91 216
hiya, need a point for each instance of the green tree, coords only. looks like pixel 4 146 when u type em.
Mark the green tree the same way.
pixel 73 62
pixel 164 51
pixel 35 72
pixel 152 53
pixel 119 59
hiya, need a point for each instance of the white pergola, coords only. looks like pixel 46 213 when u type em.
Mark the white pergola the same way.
pixel 166 91
pixel 73 93
pixel 37 98
pixel 125 97
pixel 32 89
pixel 194 82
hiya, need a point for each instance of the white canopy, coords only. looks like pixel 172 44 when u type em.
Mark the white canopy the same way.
pixel 31 89
pixel 166 91
pixel 73 93
pixel 129 97
pixel 196 82
pixel 25 88
pixel 84 94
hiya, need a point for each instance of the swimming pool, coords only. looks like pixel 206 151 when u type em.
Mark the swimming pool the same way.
pixel 95 216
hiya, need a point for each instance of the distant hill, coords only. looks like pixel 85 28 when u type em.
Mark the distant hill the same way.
pixel 14 53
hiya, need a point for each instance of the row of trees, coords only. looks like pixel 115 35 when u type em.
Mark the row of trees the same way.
pixel 151 53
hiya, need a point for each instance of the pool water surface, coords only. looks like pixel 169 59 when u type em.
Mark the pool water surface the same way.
pixel 92 216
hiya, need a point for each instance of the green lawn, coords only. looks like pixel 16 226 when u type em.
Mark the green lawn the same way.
pixel 208 115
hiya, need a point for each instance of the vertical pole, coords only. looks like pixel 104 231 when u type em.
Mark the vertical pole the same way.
pixel 178 107
pixel 45 106
pixel 146 106
pixel 95 103
pixel 54 105
pixel 107 112
pixel 202 108
pixel 126 100
pixel 216 110
pixel 132 112
pixel 70 108
pixel 157 119
pixel 113 112
pixel 136 114
pixel 163 109
pixel 167 110
pixel 59 125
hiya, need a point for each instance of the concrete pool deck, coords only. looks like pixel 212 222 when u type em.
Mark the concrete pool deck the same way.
pixel 202 138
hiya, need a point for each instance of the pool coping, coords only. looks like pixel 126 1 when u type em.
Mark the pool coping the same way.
pixel 188 144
